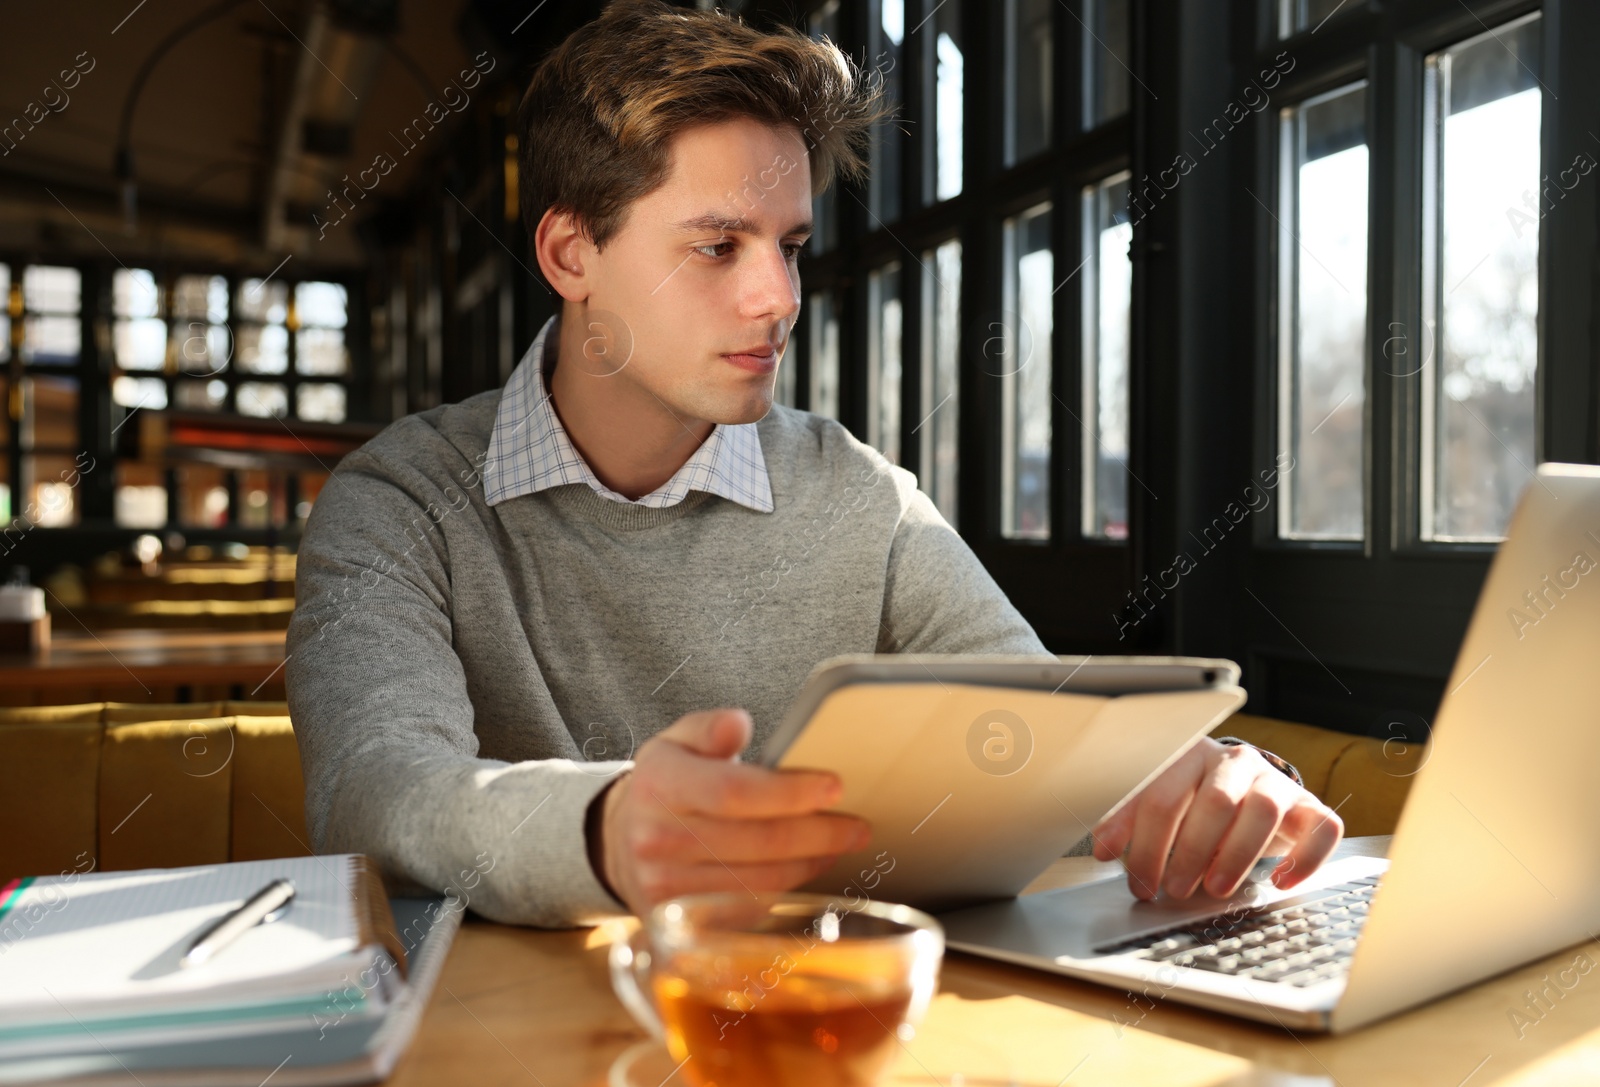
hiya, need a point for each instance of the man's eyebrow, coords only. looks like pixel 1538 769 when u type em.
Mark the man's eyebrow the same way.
pixel 716 222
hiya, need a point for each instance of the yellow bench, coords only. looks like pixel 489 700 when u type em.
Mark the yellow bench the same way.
pixel 147 786
pixel 150 786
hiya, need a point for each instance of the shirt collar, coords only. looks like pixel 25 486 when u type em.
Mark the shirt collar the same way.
pixel 529 450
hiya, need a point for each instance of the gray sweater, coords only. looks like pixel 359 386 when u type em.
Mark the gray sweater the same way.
pixel 465 678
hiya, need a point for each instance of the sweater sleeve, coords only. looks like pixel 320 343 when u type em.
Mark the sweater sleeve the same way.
pixel 384 723
pixel 938 598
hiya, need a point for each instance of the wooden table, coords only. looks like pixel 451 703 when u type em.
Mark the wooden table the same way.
pixel 146 665
pixel 526 1007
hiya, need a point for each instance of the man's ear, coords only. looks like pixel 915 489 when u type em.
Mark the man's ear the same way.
pixel 562 250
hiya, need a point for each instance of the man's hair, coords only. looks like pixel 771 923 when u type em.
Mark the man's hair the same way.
pixel 602 108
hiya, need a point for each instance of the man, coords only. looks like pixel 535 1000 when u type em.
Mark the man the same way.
pixel 536 629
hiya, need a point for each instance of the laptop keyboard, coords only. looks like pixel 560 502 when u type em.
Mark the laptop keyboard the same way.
pixel 1303 944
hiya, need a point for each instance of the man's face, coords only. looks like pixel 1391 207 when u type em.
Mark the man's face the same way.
pixel 705 267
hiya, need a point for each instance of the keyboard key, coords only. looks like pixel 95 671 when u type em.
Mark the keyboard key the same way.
pixel 1167 948
pixel 1222 964
pixel 1302 978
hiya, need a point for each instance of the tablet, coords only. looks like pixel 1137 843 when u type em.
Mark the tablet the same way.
pixel 976 773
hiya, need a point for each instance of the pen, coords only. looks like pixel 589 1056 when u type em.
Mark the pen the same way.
pixel 265 905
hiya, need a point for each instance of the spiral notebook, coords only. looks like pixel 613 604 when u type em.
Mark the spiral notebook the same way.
pixel 330 992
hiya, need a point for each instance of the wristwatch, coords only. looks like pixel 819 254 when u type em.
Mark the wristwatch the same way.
pixel 1276 760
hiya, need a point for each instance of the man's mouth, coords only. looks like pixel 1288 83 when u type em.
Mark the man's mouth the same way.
pixel 758 360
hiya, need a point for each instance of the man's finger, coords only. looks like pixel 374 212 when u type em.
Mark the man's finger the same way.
pixel 680 879
pixel 1112 834
pixel 691 837
pixel 1162 806
pixel 684 781
pixel 1224 785
pixel 716 734
pixel 1254 829
pixel 1316 831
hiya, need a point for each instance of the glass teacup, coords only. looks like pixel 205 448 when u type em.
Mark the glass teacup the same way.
pixel 779 989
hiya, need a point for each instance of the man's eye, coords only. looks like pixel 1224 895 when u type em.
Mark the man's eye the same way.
pixel 794 249
pixel 716 245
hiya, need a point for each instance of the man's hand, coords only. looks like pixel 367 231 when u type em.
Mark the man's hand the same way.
pixel 690 817
pixel 1216 811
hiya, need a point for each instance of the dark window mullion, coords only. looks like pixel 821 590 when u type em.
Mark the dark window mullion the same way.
pixel 1401 351
pixel 291 376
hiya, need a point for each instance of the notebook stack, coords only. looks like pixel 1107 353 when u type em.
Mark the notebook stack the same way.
pixel 328 991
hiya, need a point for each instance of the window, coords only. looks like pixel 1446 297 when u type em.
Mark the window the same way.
pixel 1029 78
pixel 1295 16
pixel 262 308
pixel 1322 267
pixel 52 327
pixel 1025 397
pixel 322 402
pixel 1422 332
pixel 883 360
pixel 267 399
pixel 1482 205
pixel 45 322
pixel 141 496
pixel 1105 62
pixel 823 23
pixel 139 357
pixel 941 36
pixel 887 32
pixel 824 336
pixel 939 429
pixel 319 317
pixel 138 330
pixel 933 318
pixel 184 341
pixel 205 344
pixel 783 390
pixel 1107 295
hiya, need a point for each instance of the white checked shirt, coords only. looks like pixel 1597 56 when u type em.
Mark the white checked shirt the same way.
pixel 529 450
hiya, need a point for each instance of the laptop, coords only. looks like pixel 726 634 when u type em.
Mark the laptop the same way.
pixel 1492 864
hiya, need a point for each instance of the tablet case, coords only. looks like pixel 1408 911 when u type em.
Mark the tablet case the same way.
pixel 977 774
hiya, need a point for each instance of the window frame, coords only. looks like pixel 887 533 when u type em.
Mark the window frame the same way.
pixel 1357 635
pixel 99 416
pixel 1066 585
